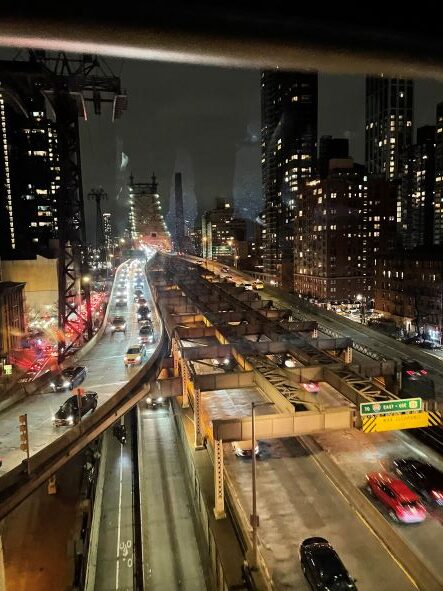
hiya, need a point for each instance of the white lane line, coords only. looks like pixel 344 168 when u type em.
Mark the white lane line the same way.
pixel 106 385
pixel 117 569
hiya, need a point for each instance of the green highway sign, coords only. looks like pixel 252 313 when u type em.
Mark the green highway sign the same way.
pixel 390 406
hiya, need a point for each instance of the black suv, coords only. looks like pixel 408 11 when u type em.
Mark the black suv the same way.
pixel 68 413
pixel 69 378
pixel 322 566
pixel 424 478
pixel 143 313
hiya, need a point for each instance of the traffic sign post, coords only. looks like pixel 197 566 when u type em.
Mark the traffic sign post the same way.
pixel 391 406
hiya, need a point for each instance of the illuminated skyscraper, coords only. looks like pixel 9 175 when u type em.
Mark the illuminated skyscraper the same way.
pixel 29 174
pixel 389 124
pixel 289 156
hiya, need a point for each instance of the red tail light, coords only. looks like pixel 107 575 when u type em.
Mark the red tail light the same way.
pixel 410 372
pixel 423 372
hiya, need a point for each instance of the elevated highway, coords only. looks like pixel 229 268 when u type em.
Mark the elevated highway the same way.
pixel 224 356
pixel 118 391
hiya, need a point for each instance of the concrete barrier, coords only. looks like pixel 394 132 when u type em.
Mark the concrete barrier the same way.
pixel 91 567
pixel 418 569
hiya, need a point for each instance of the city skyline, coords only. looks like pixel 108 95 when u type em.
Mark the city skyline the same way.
pixel 165 129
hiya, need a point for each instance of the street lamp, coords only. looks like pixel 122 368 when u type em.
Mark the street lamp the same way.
pixel 362 300
pixel 254 516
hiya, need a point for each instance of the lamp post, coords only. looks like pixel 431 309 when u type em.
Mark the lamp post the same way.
pixel 362 300
pixel 254 516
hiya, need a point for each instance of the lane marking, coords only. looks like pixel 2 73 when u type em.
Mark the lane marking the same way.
pixel 117 568
pixel 105 385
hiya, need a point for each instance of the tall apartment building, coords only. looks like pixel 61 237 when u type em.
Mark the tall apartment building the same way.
pixel 417 190
pixel 332 247
pixel 107 228
pixel 437 234
pixel 29 173
pixel 389 124
pixel 289 157
pixel 221 231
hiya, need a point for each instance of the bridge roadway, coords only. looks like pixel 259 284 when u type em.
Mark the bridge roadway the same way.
pixel 106 375
pixel 296 500
pixel 361 334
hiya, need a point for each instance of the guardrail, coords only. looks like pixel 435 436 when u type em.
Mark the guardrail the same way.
pixel 16 484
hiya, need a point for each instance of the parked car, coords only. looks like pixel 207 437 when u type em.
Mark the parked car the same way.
pixel 323 567
pixel 402 503
pixel 243 449
pixel 134 355
pixel 429 345
pixel 118 324
pixel 69 414
pixel 69 378
pixel 146 333
pixel 154 401
pixel 422 477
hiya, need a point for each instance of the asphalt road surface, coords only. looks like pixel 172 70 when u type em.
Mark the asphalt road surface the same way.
pixel 171 553
pixel 106 375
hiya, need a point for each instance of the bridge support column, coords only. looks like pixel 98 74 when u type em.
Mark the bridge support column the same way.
pixel 315 333
pixel 175 357
pixel 52 485
pixel 185 378
pixel 219 508
pixel 2 560
pixel 198 436
pixel 348 355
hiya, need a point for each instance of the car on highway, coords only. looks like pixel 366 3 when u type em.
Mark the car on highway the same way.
pixel 154 401
pixel 247 286
pixel 311 386
pixel 121 302
pixel 225 269
pixel 402 503
pixel 69 378
pixel 323 567
pixel 424 478
pixel 141 301
pixel 243 449
pixel 258 284
pixel 134 355
pixel 146 333
pixel 118 324
pixel 143 313
pixel 416 381
pixel 69 414
pixel 432 345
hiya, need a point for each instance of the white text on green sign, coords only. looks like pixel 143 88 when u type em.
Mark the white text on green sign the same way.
pixel 389 406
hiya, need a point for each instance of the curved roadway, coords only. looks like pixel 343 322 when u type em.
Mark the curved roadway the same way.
pixel 106 375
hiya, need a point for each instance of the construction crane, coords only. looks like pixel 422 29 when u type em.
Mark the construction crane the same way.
pixel 69 83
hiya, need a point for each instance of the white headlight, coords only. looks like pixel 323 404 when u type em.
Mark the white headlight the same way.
pixel 52 384
pixel 66 384
pixel 70 419
pixel 159 399
pixel 149 400
pixel 53 417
